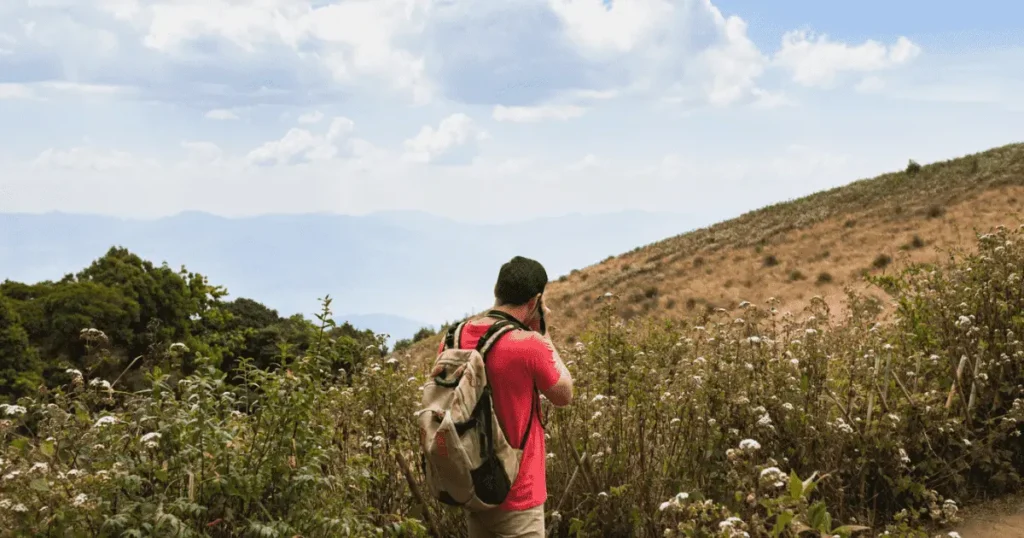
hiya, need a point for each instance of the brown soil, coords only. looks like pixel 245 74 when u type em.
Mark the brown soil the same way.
pixel 1003 518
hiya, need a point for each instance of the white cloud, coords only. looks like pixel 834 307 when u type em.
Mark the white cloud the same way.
pixel 620 28
pixel 302 144
pixel 202 152
pixel 84 158
pixel 529 114
pixel 589 161
pixel 221 114
pixel 766 99
pixel 311 117
pixel 871 84
pixel 734 65
pixel 357 40
pixel 453 132
pixel 7 42
pixel 816 61
pixel 15 91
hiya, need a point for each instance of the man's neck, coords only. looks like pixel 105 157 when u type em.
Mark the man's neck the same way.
pixel 511 311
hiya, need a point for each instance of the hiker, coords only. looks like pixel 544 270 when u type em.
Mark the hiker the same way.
pixel 520 364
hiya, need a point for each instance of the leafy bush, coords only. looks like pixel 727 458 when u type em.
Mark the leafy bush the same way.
pixel 881 261
pixel 913 168
pixel 824 277
pixel 757 421
pixel 770 260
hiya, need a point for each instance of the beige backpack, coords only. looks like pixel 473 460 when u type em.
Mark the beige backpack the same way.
pixel 467 459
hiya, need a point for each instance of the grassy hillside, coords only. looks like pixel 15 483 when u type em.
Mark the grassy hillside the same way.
pixel 793 251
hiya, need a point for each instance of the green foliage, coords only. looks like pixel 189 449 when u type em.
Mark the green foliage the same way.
pixel 19 367
pixel 753 423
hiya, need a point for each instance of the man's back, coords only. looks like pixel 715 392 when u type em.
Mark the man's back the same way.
pixel 515 364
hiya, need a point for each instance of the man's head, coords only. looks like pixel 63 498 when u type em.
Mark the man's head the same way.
pixel 521 282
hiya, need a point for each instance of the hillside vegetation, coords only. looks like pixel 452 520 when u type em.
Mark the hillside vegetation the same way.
pixel 142 404
pixel 813 246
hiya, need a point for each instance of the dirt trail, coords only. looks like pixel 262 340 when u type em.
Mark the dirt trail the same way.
pixel 998 519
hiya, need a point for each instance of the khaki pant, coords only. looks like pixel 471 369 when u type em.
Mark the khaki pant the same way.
pixel 507 524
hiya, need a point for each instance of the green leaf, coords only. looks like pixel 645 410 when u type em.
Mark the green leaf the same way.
pixel 781 523
pixel 46 447
pixel 796 487
pixel 39 485
pixel 817 513
pixel 810 484
pixel 848 530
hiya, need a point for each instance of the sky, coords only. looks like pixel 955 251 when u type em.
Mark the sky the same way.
pixel 489 111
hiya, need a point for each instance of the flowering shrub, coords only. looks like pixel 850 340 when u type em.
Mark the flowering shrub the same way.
pixel 755 423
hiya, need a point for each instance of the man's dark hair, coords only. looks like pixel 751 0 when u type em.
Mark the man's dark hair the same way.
pixel 520 280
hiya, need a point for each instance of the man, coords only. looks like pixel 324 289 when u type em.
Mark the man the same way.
pixel 521 360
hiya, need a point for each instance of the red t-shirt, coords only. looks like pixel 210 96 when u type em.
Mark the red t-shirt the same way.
pixel 515 364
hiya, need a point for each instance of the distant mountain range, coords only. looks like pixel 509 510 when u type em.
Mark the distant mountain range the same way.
pixel 392 272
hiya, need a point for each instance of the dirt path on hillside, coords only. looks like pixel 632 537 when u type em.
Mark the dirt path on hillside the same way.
pixel 996 519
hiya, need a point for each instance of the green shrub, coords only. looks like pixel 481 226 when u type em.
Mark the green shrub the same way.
pixel 753 421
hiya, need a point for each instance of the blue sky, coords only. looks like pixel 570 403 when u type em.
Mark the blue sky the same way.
pixel 488 111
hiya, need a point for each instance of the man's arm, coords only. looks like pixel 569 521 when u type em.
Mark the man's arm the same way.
pixel 550 363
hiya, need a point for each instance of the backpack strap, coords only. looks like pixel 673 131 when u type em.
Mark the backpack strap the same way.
pixel 506 324
pixel 454 335
pixel 491 337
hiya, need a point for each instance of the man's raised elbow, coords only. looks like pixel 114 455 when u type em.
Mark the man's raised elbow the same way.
pixel 560 395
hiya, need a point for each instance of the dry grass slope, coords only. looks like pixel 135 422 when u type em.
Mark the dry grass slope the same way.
pixel 816 245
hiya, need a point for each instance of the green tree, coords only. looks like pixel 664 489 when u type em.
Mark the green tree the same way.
pixel 19 365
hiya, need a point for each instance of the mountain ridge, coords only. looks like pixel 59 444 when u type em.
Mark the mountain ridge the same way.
pixel 816 245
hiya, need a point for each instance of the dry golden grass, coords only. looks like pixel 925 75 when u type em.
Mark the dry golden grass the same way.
pixel 817 245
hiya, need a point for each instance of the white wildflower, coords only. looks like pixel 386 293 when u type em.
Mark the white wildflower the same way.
pixel 39 466
pixel 5 504
pixel 103 421
pixel 80 499
pixel 598 398
pixel 904 457
pixel 101 383
pixel 773 475
pixel 811 332
pixel 675 421
pixel 368 413
pixel 178 347
pixel 749 445
pixel 597 415
pixel 19 508
pixel 150 439
pixel 12 410
pixel 787 406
